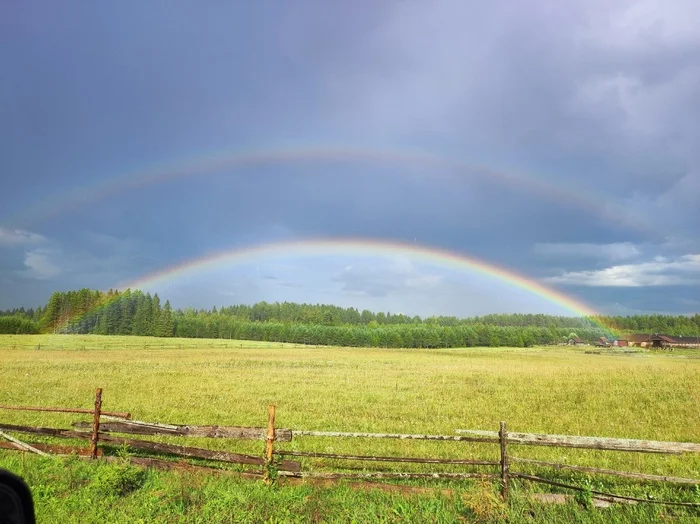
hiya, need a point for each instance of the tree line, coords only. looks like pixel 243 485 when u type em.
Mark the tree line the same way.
pixel 136 313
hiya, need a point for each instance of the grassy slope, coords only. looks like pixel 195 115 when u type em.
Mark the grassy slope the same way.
pixel 553 390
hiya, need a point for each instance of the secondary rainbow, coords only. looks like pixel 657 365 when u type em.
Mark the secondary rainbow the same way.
pixel 217 162
pixel 360 247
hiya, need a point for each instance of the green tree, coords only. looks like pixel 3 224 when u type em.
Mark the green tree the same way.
pixel 165 327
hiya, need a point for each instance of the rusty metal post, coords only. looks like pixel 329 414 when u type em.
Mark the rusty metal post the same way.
pixel 269 441
pixel 96 424
pixel 505 463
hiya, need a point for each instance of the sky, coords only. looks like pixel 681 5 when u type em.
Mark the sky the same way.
pixel 558 140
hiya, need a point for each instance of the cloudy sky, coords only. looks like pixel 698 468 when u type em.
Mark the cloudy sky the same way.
pixel 558 140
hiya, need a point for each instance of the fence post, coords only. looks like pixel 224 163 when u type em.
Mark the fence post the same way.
pixel 269 441
pixel 96 424
pixel 505 465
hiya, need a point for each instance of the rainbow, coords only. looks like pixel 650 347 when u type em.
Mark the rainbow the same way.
pixel 366 247
pixel 361 247
pixel 217 162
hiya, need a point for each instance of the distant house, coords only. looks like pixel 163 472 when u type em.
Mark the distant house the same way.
pixel 639 340
pixel 621 342
pixel 686 342
pixel 603 342
pixel 662 341
pixel 576 341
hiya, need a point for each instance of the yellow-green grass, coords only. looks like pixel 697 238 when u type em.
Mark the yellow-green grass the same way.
pixel 559 390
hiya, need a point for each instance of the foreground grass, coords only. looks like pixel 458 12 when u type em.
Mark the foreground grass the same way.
pixel 550 390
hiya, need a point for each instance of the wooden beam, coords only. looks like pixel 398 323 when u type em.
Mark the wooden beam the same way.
pixel 387 475
pixel 22 445
pixel 96 423
pixel 51 432
pixel 167 465
pixel 602 493
pixel 416 460
pixel 602 443
pixel 184 451
pixel 115 414
pixel 400 436
pixel 147 428
pixel 505 480
pixel 269 442
pixel 54 448
pixel 585 469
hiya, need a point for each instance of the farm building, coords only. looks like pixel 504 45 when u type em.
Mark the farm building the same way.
pixel 576 341
pixel 661 341
pixel 639 340
pixel 687 342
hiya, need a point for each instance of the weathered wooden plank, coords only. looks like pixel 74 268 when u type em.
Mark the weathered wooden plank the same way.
pixel 399 436
pixel 167 465
pixel 55 449
pixel 602 493
pixel 586 469
pixel 52 432
pixel 505 479
pixel 115 414
pixel 269 442
pixel 388 475
pixel 141 423
pixel 232 432
pixel 416 460
pixel 22 445
pixel 602 443
pixel 185 451
pixel 96 423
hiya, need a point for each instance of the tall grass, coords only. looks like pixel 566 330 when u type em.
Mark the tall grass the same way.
pixel 551 390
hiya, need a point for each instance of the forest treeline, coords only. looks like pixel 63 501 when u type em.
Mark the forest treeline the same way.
pixel 137 313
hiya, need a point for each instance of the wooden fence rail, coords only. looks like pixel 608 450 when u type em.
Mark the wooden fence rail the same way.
pixel 601 443
pixel 272 459
pixel 116 414
pixel 151 428
pixel 415 460
pixel 603 493
pixel 399 436
pixel 613 472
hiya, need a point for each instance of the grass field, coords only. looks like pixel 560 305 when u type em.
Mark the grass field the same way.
pixel 550 390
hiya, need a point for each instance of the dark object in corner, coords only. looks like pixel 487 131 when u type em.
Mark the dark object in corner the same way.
pixel 16 505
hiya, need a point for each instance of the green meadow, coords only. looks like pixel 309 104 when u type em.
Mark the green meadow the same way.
pixel 628 394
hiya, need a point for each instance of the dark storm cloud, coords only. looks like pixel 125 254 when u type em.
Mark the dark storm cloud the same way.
pixel 600 99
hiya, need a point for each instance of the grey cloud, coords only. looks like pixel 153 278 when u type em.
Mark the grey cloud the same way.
pixel 613 252
pixel 599 98
pixel 661 271
pixel 40 265
pixel 607 85
pixel 390 278
pixel 14 237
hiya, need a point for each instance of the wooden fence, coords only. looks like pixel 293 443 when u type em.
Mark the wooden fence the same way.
pixel 275 462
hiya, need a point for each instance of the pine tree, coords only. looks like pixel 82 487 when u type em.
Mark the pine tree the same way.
pixel 155 316
pixel 165 325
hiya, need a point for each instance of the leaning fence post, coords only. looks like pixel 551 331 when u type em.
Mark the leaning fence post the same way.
pixel 505 466
pixel 96 424
pixel 269 441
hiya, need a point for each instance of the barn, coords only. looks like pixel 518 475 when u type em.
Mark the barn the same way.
pixel 686 342
pixel 639 340
pixel 662 341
